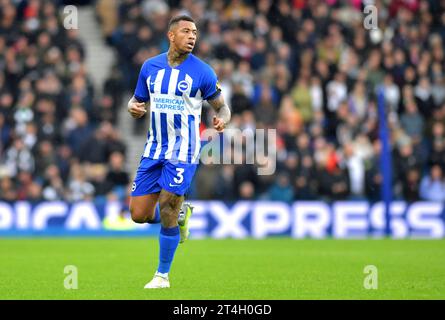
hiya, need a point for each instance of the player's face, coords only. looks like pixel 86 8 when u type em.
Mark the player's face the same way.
pixel 183 36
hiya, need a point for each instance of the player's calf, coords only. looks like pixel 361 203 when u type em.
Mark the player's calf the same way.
pixel 170 205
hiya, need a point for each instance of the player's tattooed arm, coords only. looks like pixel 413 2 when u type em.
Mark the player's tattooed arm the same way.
pixel 137 109
pixel 222 112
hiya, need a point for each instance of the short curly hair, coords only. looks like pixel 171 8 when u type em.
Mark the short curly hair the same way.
pixel 175 20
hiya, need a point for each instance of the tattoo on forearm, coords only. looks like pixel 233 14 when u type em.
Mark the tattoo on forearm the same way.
pixel 224 113
pixel 221 108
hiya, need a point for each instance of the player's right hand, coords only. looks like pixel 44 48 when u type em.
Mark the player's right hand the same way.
pixel 137 109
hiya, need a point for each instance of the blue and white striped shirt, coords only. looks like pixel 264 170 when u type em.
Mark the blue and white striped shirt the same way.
pixel 176 96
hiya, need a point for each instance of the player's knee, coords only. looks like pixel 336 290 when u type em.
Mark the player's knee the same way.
pixel 137 215
pixel 138 218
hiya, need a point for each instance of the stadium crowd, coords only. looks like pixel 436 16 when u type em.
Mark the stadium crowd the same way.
pixel 311 70
pixel 58 140
pixel 307 68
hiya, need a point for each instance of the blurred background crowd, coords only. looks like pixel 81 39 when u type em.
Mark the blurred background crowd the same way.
pixel 58 140
pixel 307 68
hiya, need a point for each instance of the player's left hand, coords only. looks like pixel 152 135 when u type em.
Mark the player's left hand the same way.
pixel 218 124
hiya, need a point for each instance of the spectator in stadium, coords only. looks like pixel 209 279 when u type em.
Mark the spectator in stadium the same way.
pixel 246 191
pixel 307 183
pixel 355 164
pixel 358 101
pixel 77 129
pixel 437 154
pixel 334 181
pixel 432 186
pixel 19 158
pixel 8 191
pixel 53 186
pixel 411 185
pixel 207 180
pixel 412 122
pixel 226 188
pixel 48 128
pixel 94 148
pixel 5 132
pixel 45 156
pixel 405 159
pixel 281 190
pixel 302 99
pixel 117 177
pixel 79 189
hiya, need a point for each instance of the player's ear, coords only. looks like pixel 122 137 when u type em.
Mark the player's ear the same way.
pixel 171 36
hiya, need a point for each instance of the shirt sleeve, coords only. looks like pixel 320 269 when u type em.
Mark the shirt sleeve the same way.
pixel 141 92
pixel 210 87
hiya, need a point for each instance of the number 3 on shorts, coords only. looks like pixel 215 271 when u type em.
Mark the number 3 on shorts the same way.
pixel 179 176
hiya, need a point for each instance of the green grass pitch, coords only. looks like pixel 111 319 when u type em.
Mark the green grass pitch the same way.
pixel 278 268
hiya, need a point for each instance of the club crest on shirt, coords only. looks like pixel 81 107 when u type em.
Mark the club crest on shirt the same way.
pixel 183 86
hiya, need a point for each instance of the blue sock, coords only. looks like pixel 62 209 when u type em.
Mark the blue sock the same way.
pixel 168 242
pixel 157 217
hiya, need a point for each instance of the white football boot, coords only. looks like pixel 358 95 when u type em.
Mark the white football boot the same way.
pixel 158 282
